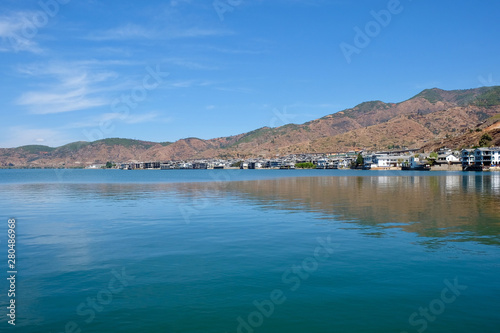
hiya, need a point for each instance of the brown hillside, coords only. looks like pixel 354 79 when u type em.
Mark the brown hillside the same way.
pixel 431 119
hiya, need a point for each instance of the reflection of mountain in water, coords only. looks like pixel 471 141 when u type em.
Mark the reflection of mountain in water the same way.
pixel 460 207
pixel 463 207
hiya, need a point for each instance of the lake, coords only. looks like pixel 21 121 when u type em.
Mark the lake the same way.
pixel 252 251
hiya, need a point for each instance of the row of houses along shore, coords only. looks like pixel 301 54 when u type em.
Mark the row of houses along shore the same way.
pixel 478 159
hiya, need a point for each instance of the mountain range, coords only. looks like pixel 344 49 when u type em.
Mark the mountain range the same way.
pixel 432 119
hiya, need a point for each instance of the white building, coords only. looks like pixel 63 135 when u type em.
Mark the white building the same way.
pixel 485 157
pixel 448 158
pixel 322 164
pixel 384 161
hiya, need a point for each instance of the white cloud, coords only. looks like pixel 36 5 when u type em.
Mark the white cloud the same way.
pixel 189 83
pixel 131 118
pixel 17 33
pixel 236 51
pixel 72 87
pixel 128 31
pixel 236 89
pixel 57 102
pixel 198 32
pixel 189 64
pixel 174 3
pixel 134 31
pixel 111 117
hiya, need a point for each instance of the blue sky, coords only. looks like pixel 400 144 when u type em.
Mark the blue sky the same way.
pixel 166 70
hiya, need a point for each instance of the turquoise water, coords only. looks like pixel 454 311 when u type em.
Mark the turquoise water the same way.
pixel 252 251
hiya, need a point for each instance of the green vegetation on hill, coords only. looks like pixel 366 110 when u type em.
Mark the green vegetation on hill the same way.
pixel 250 136
pixel 74 146
pixel 484 96
pixel 36 149
pixel 465 97
pixel 366 107
pixel 125 142
pixel 488 122
pixel 485 140
pixel 432 95
pixel 490 97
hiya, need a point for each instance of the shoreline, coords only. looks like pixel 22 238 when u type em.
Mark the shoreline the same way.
pixel 435 169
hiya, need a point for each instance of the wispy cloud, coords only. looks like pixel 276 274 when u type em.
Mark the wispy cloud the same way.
pixel 199 32
pixel 134 32
pixel 130 118
pixel 128 31
pixel 175 3
pixel 236 50
pixel 189 64
pixel 70 89
pixel 189 83
pixel 67 87
pixel 57 102
pixel 236 89
pixel 13 33
pixel 109 117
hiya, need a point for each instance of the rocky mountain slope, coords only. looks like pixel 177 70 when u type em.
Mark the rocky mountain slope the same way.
pixel 429 120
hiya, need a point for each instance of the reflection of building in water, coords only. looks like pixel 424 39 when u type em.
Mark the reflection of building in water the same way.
pixel 495 183
pixel 452 183
pixel 385 181
pixel 469 181
pixel 481 182
pixel 414 180
pixel 432 206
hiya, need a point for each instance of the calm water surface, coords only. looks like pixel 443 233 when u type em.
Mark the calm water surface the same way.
pixel 252 251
